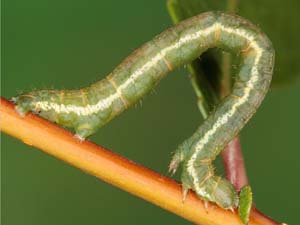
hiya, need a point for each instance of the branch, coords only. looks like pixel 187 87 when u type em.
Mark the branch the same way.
pixel 234 164
pixel 115 169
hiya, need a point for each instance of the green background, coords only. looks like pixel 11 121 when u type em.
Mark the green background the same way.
pixel 68 44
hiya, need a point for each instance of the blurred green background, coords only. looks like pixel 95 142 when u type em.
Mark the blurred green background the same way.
pixel 68 44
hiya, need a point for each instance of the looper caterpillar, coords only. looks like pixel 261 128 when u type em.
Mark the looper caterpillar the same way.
pixel 89 108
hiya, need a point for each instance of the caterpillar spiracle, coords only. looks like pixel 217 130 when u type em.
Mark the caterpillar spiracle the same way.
pixel 89 108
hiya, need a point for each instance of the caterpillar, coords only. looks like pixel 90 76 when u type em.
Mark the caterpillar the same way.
pixel 87 109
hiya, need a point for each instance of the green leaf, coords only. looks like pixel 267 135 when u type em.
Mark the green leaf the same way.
pixel 280 21
pixel 245 203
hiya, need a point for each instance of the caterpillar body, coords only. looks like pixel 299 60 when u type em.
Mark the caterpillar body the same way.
pixel 89 108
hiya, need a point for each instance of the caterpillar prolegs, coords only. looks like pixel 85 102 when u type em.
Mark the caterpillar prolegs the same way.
pixel 89 108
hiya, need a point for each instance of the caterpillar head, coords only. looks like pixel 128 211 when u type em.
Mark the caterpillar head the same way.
pixel 25 102
pixel 31 101
pixel 61 107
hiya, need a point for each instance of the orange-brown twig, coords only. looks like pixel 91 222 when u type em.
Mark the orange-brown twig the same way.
pixel 115 169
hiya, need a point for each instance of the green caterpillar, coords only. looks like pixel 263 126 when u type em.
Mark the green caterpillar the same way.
pixel 89 108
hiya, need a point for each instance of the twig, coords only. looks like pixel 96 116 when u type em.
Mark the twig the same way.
pixel 234 164
pixel 115 169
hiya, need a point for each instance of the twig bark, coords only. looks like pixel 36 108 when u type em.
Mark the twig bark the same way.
pixel 115 169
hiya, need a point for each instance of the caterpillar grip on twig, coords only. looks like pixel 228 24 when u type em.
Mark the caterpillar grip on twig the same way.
pixel 89 108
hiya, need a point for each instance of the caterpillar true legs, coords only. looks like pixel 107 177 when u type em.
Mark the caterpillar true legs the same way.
pixel 87 109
